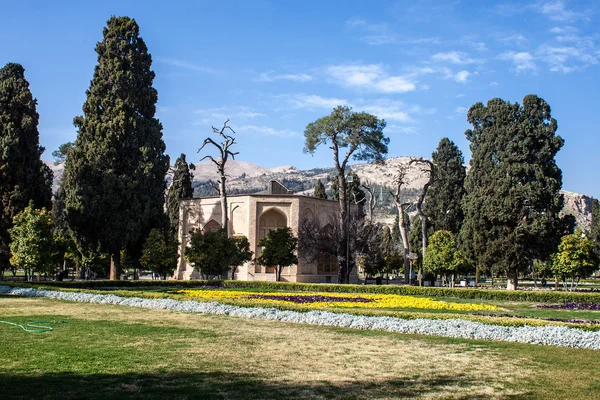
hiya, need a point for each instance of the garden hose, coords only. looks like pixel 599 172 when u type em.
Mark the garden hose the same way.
pixel 34 324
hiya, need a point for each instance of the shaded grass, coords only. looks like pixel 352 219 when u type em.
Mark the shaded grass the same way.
pixel 119 352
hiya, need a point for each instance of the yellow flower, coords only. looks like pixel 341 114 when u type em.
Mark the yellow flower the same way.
pixel 311 300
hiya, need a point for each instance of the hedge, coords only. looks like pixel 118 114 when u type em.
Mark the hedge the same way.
pixel 483 294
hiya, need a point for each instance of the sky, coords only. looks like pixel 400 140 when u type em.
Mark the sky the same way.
pixel 272 67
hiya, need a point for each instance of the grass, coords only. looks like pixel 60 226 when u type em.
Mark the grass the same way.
pixel 119 352
pixel 527 311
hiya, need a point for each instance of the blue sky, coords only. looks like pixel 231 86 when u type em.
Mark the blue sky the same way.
pixel 272 67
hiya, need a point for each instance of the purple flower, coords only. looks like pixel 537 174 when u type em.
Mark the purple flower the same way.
pixel 300 299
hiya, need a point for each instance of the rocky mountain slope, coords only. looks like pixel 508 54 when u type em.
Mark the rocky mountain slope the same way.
pixel 245 177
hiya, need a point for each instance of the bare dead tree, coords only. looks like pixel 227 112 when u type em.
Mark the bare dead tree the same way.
pixel 372 198
pixel 429 169
pixel 223 147
pixel 322 235
pixel 400 179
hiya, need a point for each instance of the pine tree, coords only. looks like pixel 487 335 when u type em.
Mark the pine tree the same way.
pixel 320 190
pixel 115 174
pixel 23 176
pixel 181 188
pixel 360 135
pixel 443 202
pixel 513 199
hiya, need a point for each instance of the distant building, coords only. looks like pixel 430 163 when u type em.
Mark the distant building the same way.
pixel 253 216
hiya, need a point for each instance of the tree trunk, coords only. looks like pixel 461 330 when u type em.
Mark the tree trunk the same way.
pixel 405 244
pixel 512 281
pixel 279 269
pixel 233 269
pixel 115 266
pixel 423 230
pixel 223 195
pixel 344 252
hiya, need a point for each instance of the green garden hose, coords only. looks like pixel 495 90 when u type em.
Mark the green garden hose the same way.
pixel 34 324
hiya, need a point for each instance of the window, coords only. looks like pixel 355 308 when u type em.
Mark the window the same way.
pixel 327 264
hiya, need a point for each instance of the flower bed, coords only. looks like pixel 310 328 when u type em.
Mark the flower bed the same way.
pixel 346 300
pixel 572 306
pixel 456 328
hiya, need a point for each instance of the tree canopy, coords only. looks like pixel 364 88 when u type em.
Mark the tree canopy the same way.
pixel 115 174
pixel 513 199
pixel 443 201
pixel 32 241
pixel 442 256
pixel 159 254
pixel 181 188
pixel 576 256
pixel 361 135
pixel 278 250
pixel 320 190
pixel 23 176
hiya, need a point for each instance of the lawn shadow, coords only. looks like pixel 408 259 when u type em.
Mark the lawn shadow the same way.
pixel 221 385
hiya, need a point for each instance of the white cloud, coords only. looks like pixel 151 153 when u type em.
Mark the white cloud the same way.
pixel 460 95
pixel 314 101
pixel 269 77
pixel 494 84
pixel 392 110
pixel 249 114
pixel 266 130
pixel 395 84
pixel 405 130
pixel 222 113
pixel 461 76
pixel 568 59
pixel 374 34
pixel 377 34
pixel 557 11
pixel 515 39
pixel 370 76
pixel 186 65
pixel 563 30
pixel 461 110
pixel 523 61
pixel 455 57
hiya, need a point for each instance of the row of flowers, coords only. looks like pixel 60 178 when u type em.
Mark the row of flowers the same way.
pixel 456 328
pixel 344 300
pixel 572 306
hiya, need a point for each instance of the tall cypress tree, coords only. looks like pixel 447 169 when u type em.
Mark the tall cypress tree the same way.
pixel 320 190
pixel 513 195
pixel 443 202
pixel 114 175
pixel 181 188
pixel 595 228
pixel 23 176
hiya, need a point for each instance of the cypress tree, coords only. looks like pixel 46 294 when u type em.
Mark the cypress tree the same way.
pixel 23 176
pixel 595 228
pixel 320 190
pixel 114 175
pixel 443 202
pixel 513 198
pixel 181 188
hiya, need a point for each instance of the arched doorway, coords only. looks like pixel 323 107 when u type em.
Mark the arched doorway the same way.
pixel 269 220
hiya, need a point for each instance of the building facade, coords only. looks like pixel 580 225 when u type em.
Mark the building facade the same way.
pixel 254 216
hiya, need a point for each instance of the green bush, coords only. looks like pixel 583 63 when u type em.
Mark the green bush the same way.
pixel 483 294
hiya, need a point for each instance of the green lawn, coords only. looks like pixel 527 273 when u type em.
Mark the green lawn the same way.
pixel 106 352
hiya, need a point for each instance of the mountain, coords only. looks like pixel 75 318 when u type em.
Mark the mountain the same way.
pixel 245 177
